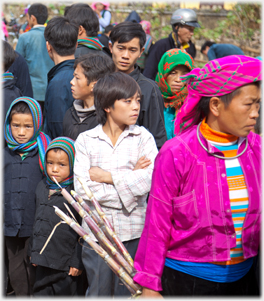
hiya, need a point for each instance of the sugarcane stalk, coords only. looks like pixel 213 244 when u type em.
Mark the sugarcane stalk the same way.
pixel 98 233
pixel 108 225
pixel 97 220
pixel 115 267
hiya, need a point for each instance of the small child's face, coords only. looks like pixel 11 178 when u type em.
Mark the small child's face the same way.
pixel 22 127
pixel 173 78
pixel 57 164
pixel 125 111
pixel 79 87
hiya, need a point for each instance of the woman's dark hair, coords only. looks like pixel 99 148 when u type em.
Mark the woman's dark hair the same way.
pixel 19 108
pixel 39 11
pixel 202 110
pixel 9 55
pixel 62 34
pixel 95 66
pixel 82 14
pixel 205 44
pixel 111 88
pixel 127 31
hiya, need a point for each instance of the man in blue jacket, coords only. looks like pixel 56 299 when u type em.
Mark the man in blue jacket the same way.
pixel 32 46
pixel 216 51
pixel 61 36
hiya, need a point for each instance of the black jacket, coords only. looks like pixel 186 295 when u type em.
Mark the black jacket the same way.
pixel 63 250
pixel 11 92
pixel 20 181
pixel 72 126
pixel 58 98
pixel 82 49
pixel 151 107
pixel 157 51
pixel 20 70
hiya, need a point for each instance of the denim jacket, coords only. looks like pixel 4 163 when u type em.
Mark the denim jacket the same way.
pixel 188 214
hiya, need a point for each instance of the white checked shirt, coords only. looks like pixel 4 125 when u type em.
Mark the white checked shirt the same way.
pixel 124 203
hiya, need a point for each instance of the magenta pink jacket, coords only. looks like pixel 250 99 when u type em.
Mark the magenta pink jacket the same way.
pixel 188 214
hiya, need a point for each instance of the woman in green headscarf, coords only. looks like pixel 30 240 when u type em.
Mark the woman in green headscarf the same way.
pixel 173 64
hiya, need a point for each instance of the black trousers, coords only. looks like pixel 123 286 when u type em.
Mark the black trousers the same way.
pixel 175 283
pixel 21 272
pixel 50 282
pixel 102 281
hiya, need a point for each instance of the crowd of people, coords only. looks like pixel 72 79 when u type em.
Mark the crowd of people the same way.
pixel 172 153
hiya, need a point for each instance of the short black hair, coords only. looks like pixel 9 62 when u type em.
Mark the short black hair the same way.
pixel 126 31
pixel 111 88
pixel 82 14
pixel 95 66
pixel 20 107
pixel 62 35
pixel 108 28
pixel 205 44
pixel 39 11
pixel 9 55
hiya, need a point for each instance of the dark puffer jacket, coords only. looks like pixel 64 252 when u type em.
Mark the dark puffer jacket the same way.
pixel 63 250
pixel 72 126
pixel 21 178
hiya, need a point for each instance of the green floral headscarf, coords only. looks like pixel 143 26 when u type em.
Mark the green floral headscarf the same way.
pixel 171 59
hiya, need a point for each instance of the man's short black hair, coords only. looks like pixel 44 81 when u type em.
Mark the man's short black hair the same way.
pixel 62 35
pixel 95 66
pixel 9 55
pixel 207 43
pixel 39 11
pixel 126 31
pixel 111 88
pixel 108 28
pixel 82 14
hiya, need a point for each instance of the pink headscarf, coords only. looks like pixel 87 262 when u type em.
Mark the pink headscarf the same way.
pixel 105 3
pixel 218 77
pixel 146 25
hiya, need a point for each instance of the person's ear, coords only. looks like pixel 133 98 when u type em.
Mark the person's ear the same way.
pixel 33 19
pixel 49 47
pixel 107 110
pixel 93 83
pixel 141 51
pixel 81 30
pixel 110 47
pixel 215 106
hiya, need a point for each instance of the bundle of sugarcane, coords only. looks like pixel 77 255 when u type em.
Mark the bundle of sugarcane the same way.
pixel 102 229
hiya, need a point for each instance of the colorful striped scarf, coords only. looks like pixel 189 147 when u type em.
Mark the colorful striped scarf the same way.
pixel 218 77
pixel 39 139
pixel 171 59
pixel 7 76
pixel 92 43
pixel 67 145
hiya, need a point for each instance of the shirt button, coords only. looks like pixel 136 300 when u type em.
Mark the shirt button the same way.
pixel 233 235
pixel 223 175
pixel 228 210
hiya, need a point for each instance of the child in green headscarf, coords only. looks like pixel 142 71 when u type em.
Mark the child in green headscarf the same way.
pixel 173 64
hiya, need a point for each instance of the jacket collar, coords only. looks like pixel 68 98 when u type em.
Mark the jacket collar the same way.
pixel 68 64
pixel 135 73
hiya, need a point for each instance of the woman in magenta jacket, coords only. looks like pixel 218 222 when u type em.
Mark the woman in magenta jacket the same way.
pixel 202 225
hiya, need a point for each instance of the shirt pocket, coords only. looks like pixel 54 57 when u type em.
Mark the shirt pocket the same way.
pixel 185 211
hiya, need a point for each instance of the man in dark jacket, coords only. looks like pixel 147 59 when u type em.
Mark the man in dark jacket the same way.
pixel 10 90
pixel 58 97
pixel 128 39
pixel 20 71
pixel 183 22
pixel 88 42
pixel 216 51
